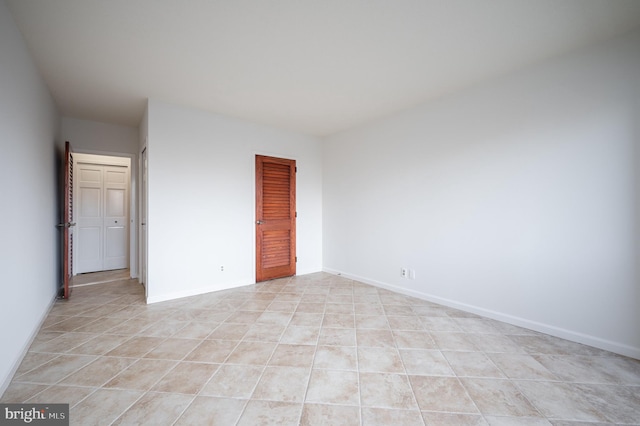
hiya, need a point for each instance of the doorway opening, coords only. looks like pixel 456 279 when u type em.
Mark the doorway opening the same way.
pixel 275 218
pixel 103 210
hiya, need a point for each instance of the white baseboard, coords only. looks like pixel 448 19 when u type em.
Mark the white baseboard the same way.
pixel 552 330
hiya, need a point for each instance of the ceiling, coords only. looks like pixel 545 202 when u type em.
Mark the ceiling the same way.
pixel 311 66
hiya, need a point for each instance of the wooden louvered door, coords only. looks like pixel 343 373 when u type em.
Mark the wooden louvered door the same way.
pixel 67 222
pixel 275 218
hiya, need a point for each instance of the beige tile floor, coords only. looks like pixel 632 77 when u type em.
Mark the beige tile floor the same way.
pixel 100 277
pixel 312 350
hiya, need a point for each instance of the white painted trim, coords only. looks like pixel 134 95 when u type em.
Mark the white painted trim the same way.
pixel 133 218
pixel 105 160
pixel 562 333
pixel 108 160
pixel 25 348
pixel 133 194
pixel 143 262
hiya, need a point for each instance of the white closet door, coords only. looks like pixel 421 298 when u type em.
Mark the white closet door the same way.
pixel 102 217
pixel 89 248
pixel 116 229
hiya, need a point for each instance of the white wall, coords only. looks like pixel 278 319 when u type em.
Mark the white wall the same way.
pixel 517 199
pixel 29 253
pixel 202 200
pixel 96 138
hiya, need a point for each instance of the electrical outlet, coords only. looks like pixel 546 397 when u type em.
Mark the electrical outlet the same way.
pixel 404 272
pixel 222 268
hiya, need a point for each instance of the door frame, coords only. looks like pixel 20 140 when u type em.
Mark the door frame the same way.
pixel 143 200
pixel 97 157
pixel 255 205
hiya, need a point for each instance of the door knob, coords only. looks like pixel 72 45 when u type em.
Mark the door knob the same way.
pixel 258 222
pixel 66 225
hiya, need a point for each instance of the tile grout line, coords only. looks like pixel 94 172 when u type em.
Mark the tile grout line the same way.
pixel 264 368
pixel 532 348
pixel 413 393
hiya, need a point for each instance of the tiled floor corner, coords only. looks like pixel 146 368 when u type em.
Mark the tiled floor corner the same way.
pixel 311 350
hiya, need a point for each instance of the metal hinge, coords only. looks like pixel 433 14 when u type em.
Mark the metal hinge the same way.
pixel 296 214
pixel 296 169
pixel 296 259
